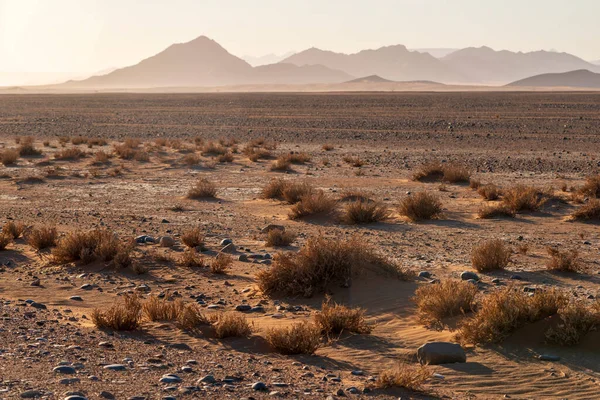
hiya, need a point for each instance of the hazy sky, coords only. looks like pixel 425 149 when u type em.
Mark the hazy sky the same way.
pixel 91 35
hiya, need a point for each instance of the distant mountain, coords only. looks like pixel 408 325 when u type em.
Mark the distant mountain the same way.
pixel 596 62
pixel 266 59
pixel 436 52
pixel 202 62
pixel 576 79
pixel 485 65
pixel 391 62
pixel 370 79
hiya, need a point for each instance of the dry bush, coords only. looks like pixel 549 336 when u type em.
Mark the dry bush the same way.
pixel 5 240
pixel 293 192
pixel 125 152
pixel 96 142
pixel 354 161
pixel 27 148
pixel 420 206
pixel 14 229
pixel 191 159
pixel 89 246
pixel 124 315
pixel 298 158
pixel 141 156
pixel 9 156
pixel 274 189
pixel 323 261
pixel 213 149
pixel 490 255
pixel 231 324
pixel 564 261
pixel 160 142
pixel 364 212
pixel 42 237
pixel 282 163
pixel 405 376
pixel 203 189
pixel 190 318
pixel 313 204
pixel 255 154
pixel 524 198
pixel 221 263
pixel 193 237
pixel 299 338
pixel 336 318
pixel 448 298
pixel 122 258
pixel 278 238
pixel 70 154
pixel 494 211
pixel 157 309
pixel 506 310
pixel 489 192
pixel 523 249
pixel 474 183
pixel 327 147
pixel 101 157
pixel 576 320
pixel 431 171
pixel 456 173
pixel 77 140
pixel 587 212
pixel 225 158
pixel 191 259
pixel 591 187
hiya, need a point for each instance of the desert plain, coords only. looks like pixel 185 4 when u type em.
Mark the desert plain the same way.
pixel 347 148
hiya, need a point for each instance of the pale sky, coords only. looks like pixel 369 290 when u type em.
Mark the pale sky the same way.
pixel 92 35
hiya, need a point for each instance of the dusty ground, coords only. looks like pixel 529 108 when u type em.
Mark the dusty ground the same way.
pixel 541 139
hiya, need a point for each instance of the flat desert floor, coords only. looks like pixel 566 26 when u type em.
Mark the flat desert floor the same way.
pixel 159 146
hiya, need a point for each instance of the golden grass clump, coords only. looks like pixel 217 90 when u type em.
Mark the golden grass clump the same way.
pixel 274 189
pixel 576 320
pixel 404 376
pixel 322 261
pixel 279 238
pixel 328 147
pixel 474 183
pixel 27 149
pixel 157 309
pixel 124 315
pixel 70 154
pixel 524 198
pixel 490 255
pixel 353 161
pixel 14 229
pixel 588 212
pixel 193 237
pixel 495 211
pixel 191 159
pixel 563 261
pixel 456 173
pixel 101 157
pixel 225 158
pixel 203 189
pixel 42 237
pixel 489 192
pixel 298 158
pixel 293 192
pixel 9 156
pixel 299 338
pixel 281 164
pixel 446 299
pixel 591 187
pixel 87 247
pixel 190 259
pixel 317 203
pixel 5 240
pixel 364 212
pixel 231 324
pixel 436 171
pixel 190 317
pixel 337 318
pixel 420 206
pixel 221 263
pixel 213 149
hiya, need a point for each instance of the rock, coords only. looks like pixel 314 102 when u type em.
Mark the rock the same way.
pixel 259 386
pixel 180 346
pixel 340 393
pixel 243 257
pixel 76 397
pixel 230 249
pixel 64 369
pixel 353 390
pixel 207 379
pixel 107 345
pixel 271 227
pixel 467 275
pixel 166 241
pixel 357 372
pixel 170 378
pixel 115 367
pixel 76 298
pixel 86 286
pixel 243 307
pixel 36 282
pixel 424 274
pixel 225 242
pixel 69 381
pixel 39 306
pixel 547 357
pixel 516 277
pixel 436 353
pixel 107 395
pixel 496 281
pixel 31 394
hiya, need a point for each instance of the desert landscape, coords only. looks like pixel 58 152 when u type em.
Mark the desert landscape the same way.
pixel 300 245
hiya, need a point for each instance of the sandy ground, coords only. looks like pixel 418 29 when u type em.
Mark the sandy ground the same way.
pixel 535 139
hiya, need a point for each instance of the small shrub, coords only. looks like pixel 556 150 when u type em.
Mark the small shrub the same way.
pixel 141 156
pixel 448 298
pixel 101 157
pixel 278 238
pixel 494 211
pixel 70 154
pixel 353 161
pixel 221 263
pixel 576 320
pixel 587 212
pixel 5 240
pixel 490 255
pixel 313 204
pixel 431 171
pixel 327 147
pixel 364 212
pixel 87 247
pixel 125 152
pixel 474 183
pixel 231 324
pixel 225 158
pixel 564 261
pixel 455 173
pixel 405 376
pixel 293 192
pixel 77 140
pixel 191 159
pixel 213 149
pixel 191 259
pixel 203 189
pixel 282 163
pixel 298 158
pixel 336 318
pixel 157 309
pixel 193 237
pixel 591 187
pixel 420 206
pixel 27 149
pixel 13 229
pixel 9 156
pixel 190 317
pixel 489 192
pixel 299 338
pixel 42 237
pixel 124 315
pixel 274 189
pixel 524 198
pixel 523 249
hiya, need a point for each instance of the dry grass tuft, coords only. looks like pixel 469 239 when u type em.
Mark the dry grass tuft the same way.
pixel 225 158
pixel 274 189
pixel 5 240
pixel 193 237
pixel 524 198
pixel 364 212
pixel 328 147
pixel 354 161
pixel 157 309
pixel 101 157
pixel 279 238
pixel 191 159
pixel 14 229
pixel 474 183
pixel 9 156
pixel 298 158
pixel 489 192
pixel 455 173
pixel 591 187
pixel 221 263
pixel 213 149
pixel 494 211
pixel 405 376
pixel 124 315
pixel 204 189
pixel 576 320
pixel 70 154
pixel 490 255
pixel 42 237
pixel 299 338
pixel 317 203
pixel 293 192
pixel 420 206
pixel 436 171
pixel 27 149
pixel 336 318
pixel 90 246
pixel 231 324
pixel 282 164
pixel 191 259
pixel 446 299
pixel 190 317
pixel 564 261
pixel 588 212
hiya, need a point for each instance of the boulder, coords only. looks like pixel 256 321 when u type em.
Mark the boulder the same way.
pixel 230 249
pixel 467 275
pixel 166 241
pixel 435 353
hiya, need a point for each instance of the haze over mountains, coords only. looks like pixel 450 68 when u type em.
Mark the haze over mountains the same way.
pixel 202 62
pixel 573 79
